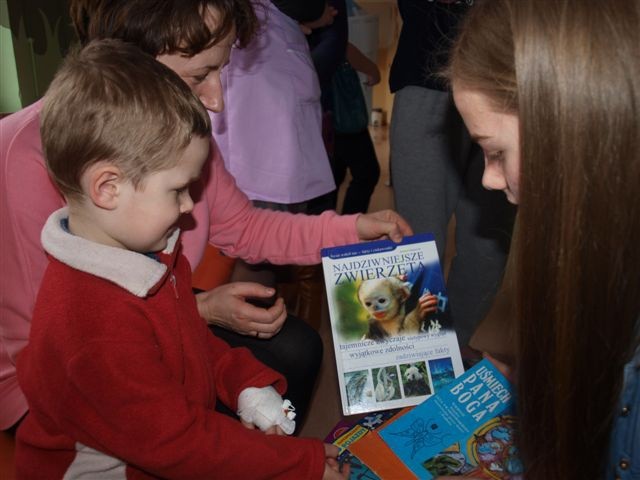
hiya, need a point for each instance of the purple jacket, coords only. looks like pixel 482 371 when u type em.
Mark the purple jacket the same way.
pixel 270 134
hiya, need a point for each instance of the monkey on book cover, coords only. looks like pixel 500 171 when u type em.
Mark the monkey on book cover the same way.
pixel 404 305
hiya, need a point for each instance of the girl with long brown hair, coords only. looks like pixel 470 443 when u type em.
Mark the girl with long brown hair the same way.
pixel 550 89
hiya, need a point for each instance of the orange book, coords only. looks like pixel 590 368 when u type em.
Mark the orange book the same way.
pixel 375 454
pixel 372 451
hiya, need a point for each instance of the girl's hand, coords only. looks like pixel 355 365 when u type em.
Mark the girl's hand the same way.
pixel 505 369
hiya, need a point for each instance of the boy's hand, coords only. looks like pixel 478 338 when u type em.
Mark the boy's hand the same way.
pixel 265 408
pixel 382 224
pixel 332 469
pixel 226 306
pixel 275 430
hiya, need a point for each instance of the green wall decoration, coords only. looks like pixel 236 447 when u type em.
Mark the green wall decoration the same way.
pixel 35 35
pixel 9 89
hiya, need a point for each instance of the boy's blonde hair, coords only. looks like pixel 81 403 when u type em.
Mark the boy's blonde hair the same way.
pixel 110 101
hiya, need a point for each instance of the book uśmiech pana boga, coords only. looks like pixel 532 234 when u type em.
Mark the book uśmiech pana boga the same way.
pixel 467 429
pixel 390 320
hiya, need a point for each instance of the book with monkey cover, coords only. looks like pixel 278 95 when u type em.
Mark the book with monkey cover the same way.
pixel 393 339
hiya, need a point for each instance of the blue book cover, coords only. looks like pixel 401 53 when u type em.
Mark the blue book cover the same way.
pixel 489 453
pixel 451 416
pixel 390 321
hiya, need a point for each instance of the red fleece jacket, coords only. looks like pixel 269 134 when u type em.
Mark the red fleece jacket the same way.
pixel 125 384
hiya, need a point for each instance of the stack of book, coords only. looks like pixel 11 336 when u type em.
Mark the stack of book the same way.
pixel 466 429
pixel 397 356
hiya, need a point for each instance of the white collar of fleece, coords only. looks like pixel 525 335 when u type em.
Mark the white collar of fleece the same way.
pixel 135 272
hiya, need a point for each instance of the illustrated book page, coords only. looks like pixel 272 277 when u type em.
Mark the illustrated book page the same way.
pixel 467 429
pixel 393 339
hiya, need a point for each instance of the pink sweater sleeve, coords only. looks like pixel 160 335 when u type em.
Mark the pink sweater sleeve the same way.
pixel 27 198
pixel 256 234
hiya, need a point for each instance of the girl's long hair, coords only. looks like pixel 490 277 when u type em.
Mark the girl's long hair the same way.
pixel 570 69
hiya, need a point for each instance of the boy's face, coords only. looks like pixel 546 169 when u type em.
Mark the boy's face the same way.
pixel 148 215
pixel 202 71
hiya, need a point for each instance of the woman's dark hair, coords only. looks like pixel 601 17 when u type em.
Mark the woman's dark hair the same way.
pixel 163 26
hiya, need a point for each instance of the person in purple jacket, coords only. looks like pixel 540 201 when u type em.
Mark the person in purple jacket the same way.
pixel 270 133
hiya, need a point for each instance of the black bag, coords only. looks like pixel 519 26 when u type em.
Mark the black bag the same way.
pixel 349 107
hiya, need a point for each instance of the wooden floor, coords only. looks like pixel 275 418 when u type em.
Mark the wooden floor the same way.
pixel 7 447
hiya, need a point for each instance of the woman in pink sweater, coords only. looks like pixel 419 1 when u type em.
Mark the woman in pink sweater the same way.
pixel 192 38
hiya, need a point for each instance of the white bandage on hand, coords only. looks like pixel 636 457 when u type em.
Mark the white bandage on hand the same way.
pixel 265 408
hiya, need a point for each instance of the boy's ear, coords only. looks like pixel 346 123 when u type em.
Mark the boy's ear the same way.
pixel 104 183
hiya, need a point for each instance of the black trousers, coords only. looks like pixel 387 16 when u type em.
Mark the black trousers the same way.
pixel 355 151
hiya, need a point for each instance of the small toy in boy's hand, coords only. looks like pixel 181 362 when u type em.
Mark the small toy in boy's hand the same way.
pixel 265 408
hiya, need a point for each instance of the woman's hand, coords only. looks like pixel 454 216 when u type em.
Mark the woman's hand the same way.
pixel 228 307
pixel 382 224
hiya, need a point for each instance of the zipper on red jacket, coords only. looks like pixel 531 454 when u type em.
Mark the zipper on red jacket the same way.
pixel 172 279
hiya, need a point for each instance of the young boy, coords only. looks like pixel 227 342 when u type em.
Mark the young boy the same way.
pixel 121 373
